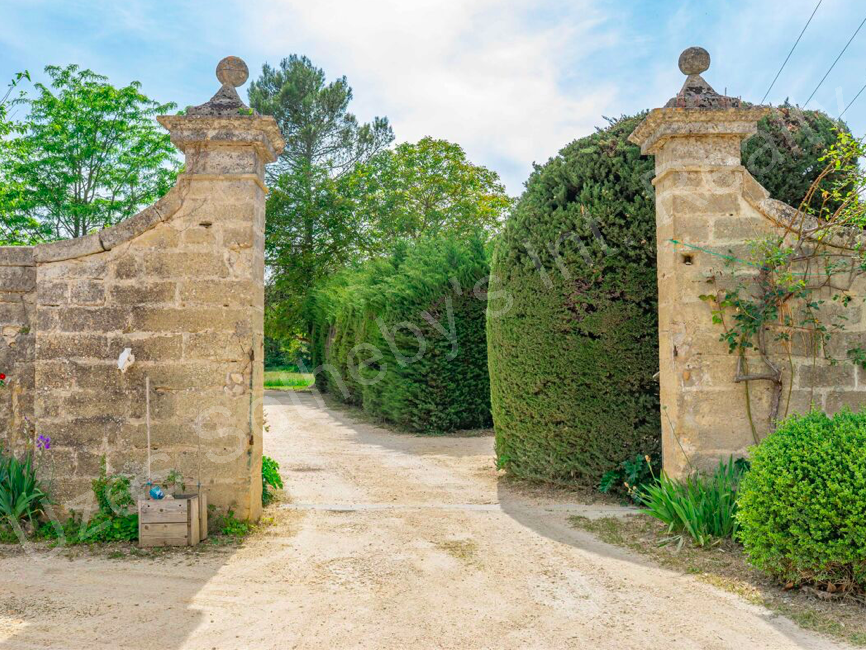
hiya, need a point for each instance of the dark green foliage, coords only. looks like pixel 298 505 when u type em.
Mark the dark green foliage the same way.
pixel 573 325
pixel 310 230
pixel 115 519
pixel 784 154
pixel 230 525
pixel 629 478
pixel 285 353
pixel 703 508
pixel 22 495
pixel 572 360
pixel 803 504
pixel 403 337
pixel 271 479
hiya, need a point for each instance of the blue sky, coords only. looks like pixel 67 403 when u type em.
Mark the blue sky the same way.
pixel 511 81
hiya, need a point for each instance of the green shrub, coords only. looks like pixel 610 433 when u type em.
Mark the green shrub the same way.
pixel 22 495
pixel 702 508
pixel 404 337
pixel 271 479
pixel 115 519
pixel 573 326
pixel 803 505
pixel 230 525
pixel 572 361
pixel 629 478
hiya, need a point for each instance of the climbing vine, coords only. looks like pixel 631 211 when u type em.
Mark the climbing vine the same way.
pixel 798 283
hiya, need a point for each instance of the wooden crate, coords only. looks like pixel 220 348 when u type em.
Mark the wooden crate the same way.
pixel 202 508
pixel 169 522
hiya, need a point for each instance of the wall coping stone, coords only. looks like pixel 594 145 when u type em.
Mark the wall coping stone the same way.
pixel 17 256
pixel 105 240
pixel 131 228
pixel 66 249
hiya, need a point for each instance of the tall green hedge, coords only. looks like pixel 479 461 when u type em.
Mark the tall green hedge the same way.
pixel 404 337
pixel 572 328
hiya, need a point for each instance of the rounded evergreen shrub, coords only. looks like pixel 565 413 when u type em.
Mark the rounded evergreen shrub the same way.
pixel 572 360
pixel 784 155
pixel 802 507
pixel 573 325
pixel 404 337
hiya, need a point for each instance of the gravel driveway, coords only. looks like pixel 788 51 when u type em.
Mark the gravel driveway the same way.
pixel 383 540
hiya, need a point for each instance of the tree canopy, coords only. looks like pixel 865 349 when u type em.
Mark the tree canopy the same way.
pixel 309 231
pixel 15 228
pixel 427 187
pixel 88 154
pixel 314 118
pixel 340 196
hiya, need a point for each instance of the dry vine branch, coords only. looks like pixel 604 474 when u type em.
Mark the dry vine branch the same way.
pixel 820 249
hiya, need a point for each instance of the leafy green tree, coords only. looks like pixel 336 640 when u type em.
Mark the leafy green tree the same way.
pixel 314 119
pixel 87 155
pixel 429 187
pixel 310 231
pixel 15 228
pixel 6 126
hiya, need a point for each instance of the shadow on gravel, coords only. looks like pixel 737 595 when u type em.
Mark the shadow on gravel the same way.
pixel 547 512
pixel 99 599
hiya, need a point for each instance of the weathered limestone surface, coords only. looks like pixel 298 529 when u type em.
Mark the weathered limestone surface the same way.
pixel 181 284
pixel 706 199
pixel 17 339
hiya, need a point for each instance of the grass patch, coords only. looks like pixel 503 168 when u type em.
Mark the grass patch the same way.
pixel 287 379
pixel 724 566
pixel 460 549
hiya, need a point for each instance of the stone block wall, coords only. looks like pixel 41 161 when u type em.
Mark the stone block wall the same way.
pixel 709 206
pixel 17 341
pixel 182 285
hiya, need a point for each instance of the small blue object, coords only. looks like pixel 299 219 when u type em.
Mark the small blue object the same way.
pixel 156 492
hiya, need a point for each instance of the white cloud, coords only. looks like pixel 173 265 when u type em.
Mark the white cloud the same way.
pixel 511 80
pixel 503 79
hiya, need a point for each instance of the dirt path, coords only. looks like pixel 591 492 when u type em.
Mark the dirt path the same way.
pixel 388 541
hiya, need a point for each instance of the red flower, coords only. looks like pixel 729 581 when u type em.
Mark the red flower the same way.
pixel 2 376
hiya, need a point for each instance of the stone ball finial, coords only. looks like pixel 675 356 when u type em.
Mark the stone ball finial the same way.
pixel 694 60
pixel 232 71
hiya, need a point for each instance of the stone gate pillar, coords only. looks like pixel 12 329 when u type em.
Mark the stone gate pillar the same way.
pixel 700 187
pixel 181 285
pixel 226 147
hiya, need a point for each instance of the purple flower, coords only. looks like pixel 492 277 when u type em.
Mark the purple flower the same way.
pixel 43 442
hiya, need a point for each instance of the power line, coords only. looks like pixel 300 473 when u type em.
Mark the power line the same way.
pixel 814 11
pixel 859 92
pixel 835 62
